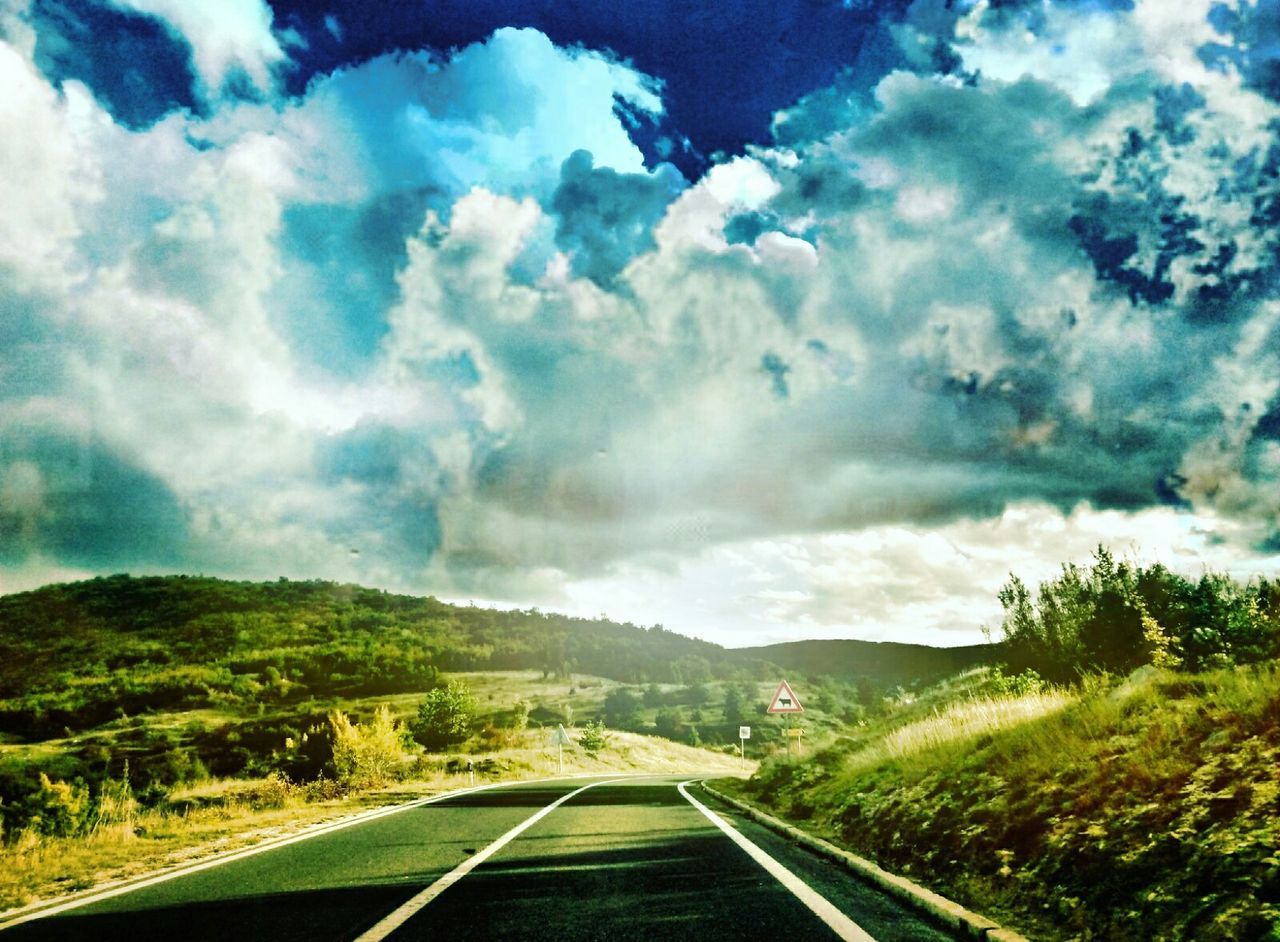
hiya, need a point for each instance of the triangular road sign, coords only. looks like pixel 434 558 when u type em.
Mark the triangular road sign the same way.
pixel 784 701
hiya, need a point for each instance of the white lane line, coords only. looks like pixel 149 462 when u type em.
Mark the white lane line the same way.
pixel 19 917
pixel 16 917
pixel 841 924
pixel 399 917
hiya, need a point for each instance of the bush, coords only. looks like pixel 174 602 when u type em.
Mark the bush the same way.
pixel 593 739
pixel 444 716
pixel 59 809
pixel 367 755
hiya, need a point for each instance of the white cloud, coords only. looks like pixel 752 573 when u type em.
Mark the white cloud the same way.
pixel 933 586
pixel 230 36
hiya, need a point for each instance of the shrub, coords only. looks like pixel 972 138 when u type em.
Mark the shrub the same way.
pixel 520 715
pixel 593 739
pixel 60 809
pixel 366 755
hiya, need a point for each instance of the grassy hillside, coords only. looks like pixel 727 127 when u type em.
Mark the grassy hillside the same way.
pixel 888 662
pixel 1147 808
pixel 75 656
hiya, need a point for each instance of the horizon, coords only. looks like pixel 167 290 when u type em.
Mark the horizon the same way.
pixel 780 321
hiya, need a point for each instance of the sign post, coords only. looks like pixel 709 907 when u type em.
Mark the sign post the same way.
pixel 561 739
pixel 786 702
pixel 744 733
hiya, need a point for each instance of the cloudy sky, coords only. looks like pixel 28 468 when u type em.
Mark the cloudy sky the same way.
pixel 762 320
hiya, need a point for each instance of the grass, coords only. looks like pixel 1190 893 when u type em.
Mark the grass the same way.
pixel 958 725
pixel 1141 809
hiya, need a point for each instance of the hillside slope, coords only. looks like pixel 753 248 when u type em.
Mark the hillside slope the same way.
pixel 888 662
pixel 1133 810
pixel 74 656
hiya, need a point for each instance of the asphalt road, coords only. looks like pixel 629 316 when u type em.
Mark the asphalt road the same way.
pixel 621 860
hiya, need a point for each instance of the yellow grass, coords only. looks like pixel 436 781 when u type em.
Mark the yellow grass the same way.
pixel 961 722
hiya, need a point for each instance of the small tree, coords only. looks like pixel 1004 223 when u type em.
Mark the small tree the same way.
pixel 733 708
pixel 592 739
pixel 444 716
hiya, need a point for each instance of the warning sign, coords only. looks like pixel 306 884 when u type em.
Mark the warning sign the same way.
pixel 784 701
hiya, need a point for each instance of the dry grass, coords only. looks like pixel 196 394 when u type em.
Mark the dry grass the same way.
pixel 958 725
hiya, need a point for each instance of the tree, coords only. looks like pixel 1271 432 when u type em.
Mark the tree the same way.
pixel 697 694
pixel 592 739
pixel 733 711
pixel 622 708
pixel 669 723
pixel 444 716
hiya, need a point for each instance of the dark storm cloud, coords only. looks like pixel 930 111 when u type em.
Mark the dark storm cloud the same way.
pixel 135 66
pixel 73 499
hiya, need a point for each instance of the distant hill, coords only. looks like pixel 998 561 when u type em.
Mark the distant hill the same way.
pixel 75 655
pixel 885 662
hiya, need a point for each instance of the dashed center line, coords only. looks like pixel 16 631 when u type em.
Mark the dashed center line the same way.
pixel 405 912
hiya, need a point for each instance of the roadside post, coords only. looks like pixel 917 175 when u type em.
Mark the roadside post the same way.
pixel 561 739
pixel 744 733
pixel 785 701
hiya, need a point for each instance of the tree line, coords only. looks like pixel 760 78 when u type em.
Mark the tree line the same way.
pixel 1114 615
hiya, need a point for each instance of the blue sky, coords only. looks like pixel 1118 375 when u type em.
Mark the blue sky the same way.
pixel 759 320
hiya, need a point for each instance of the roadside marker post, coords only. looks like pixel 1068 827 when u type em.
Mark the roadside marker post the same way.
pixel 744 733
pixel 561 739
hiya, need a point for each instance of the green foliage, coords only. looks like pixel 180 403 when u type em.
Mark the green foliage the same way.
pixel 445 715
pixel 622 708
pixel 592 738
pixel 1114 616
pixel 1144 808
pixel 1016 685
pixel 59 809
pixel 734 708
pixel 670 723
pixel 520 715
pixel 77 656
pixel 367 755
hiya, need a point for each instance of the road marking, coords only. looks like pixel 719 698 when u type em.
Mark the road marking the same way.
pixel 16 917
pixel 841 924
pixel 402 915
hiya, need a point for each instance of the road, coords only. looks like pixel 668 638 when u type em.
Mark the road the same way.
pixel 619 859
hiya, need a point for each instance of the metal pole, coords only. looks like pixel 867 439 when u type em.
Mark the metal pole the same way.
pixel 742 744
pixel 560 758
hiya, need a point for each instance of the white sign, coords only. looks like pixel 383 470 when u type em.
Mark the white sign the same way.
pixel 560 737
pixel 744 732
pixel 784 701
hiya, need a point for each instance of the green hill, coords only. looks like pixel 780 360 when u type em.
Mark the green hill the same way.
pixel 74 656
pixel 888 663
